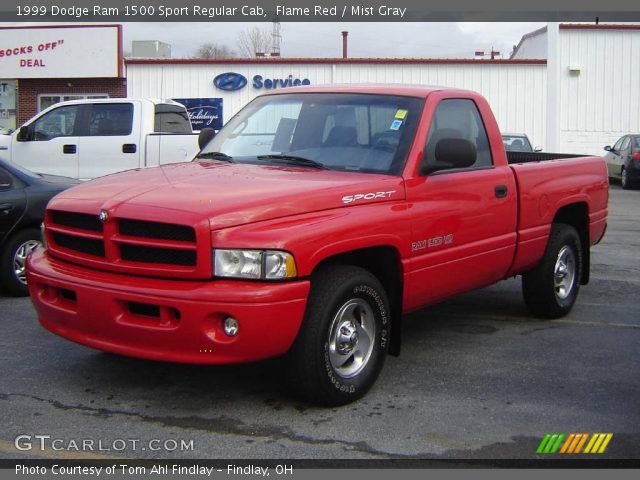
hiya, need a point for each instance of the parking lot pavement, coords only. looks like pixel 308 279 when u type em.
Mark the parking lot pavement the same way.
pixel 477 378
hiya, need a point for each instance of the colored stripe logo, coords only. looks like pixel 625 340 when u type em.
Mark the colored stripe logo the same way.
pixel 573 443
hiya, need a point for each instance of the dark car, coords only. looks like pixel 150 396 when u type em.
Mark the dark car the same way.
pixel 623 160
pixel 23 198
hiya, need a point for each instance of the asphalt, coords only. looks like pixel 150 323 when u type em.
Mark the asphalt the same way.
pixel 478 378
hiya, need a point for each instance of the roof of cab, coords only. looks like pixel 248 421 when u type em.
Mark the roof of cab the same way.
pixel 420 91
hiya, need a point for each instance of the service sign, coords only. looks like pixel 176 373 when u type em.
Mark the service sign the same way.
pixel 203 112
pixel 52 52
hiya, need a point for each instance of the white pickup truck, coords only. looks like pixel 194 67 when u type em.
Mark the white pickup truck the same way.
pixel 89 138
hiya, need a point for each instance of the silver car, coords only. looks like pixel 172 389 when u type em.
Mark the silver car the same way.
pixel 623 160
pixel 518 142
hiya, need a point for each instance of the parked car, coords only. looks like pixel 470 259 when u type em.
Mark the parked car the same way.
pixel 518 142
pixel 23 198
pixel 307 227
pixel 89 138
pixel 623 160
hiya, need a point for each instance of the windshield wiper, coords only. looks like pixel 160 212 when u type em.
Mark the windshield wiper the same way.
pixel 215 156
pixel 293 160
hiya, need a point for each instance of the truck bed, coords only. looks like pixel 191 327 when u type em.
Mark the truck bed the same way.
pixel 544 188
pixel 528 157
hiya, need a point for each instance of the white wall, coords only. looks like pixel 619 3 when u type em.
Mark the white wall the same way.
pixel 516 92
pixel 602 102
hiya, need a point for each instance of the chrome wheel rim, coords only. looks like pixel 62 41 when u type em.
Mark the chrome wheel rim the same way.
pixel 351 337
pixel 20 259
pixel 564 274
pixel 623 178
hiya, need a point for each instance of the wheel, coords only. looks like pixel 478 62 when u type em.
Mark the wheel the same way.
pixel 13 260
pixel 342 343
pixel 624 180
pixel 550 289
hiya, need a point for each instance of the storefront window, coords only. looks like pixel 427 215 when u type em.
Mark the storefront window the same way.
pixel 7 105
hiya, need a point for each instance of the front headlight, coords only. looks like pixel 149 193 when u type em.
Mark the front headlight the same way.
pixel 254 264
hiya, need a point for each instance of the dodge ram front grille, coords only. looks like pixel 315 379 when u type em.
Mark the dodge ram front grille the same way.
pixel 82 221
pixel 87 246
pixel 163 231
pixel 127 244
pixel 168 256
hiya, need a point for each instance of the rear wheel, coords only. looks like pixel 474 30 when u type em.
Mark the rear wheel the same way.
pixel 550 289
pixel 13 260
pixel 342 343
pixel 625 181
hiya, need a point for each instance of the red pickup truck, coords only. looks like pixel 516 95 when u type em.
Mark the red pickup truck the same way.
pixel 308 226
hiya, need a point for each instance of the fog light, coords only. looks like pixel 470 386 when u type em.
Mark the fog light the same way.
pixel 231 326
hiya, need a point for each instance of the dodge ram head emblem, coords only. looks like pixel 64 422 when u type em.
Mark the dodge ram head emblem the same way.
pixel 103 216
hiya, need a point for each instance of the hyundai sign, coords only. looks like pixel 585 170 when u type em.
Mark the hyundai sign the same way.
pixel 203 112
pixel 231 81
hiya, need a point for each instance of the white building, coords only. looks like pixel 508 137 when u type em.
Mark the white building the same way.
pixel 597 81
pixel 571 88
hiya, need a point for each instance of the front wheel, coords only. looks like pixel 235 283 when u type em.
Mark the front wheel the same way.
pixel 342 343
pixel 13 259
pixel 550 289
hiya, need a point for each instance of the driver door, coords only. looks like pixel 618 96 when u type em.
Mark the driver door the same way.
pixel 51 145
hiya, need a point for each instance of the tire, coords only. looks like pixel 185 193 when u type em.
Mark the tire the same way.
pixel 550 289
pixel 331 362
pixel 12 258
pixel 624 179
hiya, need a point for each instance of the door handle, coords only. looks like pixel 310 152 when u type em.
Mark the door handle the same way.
pixel 69 149
pixel 501 191
pixel 129 148
pixel 5 208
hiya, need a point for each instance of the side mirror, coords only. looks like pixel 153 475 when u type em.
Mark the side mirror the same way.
pixel 205 136
pixel 608 148
pixel 451 153
pixel 24 134
pixel 537 149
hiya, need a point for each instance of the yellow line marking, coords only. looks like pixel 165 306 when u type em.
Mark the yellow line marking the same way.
pixel 597 324
pixel 601 437
pixel 591 442
pixel 584 439
pixel 605 443
pixel 567 443
pixel 10 448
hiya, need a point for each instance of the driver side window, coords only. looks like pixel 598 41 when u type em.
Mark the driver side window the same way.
pixel 458 118
pixel 57 123
pixel 618 146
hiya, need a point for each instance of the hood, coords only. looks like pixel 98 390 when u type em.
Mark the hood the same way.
pixel 58 181
pixel 232 194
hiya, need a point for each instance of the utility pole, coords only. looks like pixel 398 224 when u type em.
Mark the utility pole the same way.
pixel 276 37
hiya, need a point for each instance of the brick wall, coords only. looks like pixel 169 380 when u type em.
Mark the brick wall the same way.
pixel 29 89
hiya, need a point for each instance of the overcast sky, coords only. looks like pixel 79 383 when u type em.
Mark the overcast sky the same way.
pixel 324 39
pixel 453 40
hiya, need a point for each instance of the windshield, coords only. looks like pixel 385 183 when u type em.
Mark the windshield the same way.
pixel 350 132
pixel 516 143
